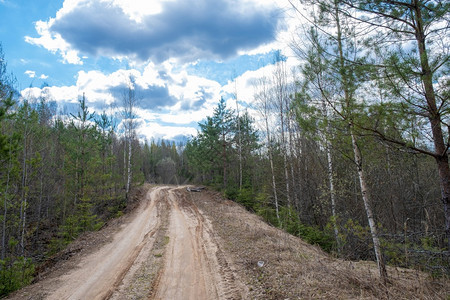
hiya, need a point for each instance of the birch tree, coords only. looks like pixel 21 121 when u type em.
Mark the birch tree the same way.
pixel 280 99
pixel 129 102
pixel 344 53
pixel 262 97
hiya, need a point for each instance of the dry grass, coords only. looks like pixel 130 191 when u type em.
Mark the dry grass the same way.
pixel 294 269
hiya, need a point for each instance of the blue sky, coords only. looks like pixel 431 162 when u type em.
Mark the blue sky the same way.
pixel 184 55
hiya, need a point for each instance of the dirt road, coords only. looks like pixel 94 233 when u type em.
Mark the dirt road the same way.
pixel 166 251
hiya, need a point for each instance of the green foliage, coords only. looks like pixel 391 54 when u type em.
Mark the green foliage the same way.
pixel 419 255
pixel 246 197
pixel 55 245
pixel 265 210
pixel 87 220
pixel 315 236
pixel 59 176
pixel 14 274
pixel 231 193
pixel 291 223
pixel 71 229
pixel 289 220
pixel 225 146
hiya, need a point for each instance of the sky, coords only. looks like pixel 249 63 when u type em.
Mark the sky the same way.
pixel 183 55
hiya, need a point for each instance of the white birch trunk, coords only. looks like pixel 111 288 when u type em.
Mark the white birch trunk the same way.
pixel 332 195
pixel 129 171
pixel 357 152
pixel 239 145
pixel 331 175
pixel 263 97
pixel 291 163
pixel 280 80
pixel 274 185
pixel 368 208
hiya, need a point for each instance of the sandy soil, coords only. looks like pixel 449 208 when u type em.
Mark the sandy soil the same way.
pixel 191 266
pixel 192 269
pixel 196 245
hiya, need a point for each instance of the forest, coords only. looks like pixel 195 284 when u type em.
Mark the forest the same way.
pixel 349 152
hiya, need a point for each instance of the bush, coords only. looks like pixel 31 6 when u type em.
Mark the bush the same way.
pixel 231 193
pixel 315 236
pixel 291 223
pixel 265 210
pixel 14 274
pixel 246 198
pixel 288 217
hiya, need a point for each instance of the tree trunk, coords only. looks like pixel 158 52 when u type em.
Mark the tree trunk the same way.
pixel 291 161
pixel 344 70
pixel 224 161
pixel 332 195
pixel 5 207
pixel 368 208
pixel 274 185
pixel 441 148
pixel 239 137
pixel 125 140
pixel 41 196
pixel 23 200
pixel 129 167
pixel 280 77
pixel 331 178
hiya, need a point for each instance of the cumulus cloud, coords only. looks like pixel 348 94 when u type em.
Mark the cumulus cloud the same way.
pixel 181 29
pixel 171 98
pixel 31 74
pixel 53 42
pixel 157 131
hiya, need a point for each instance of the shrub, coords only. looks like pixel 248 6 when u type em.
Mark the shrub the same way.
pixel 14 274
pixel 246 198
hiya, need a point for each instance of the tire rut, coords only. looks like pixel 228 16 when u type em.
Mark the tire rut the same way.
pixel 147 266
pixel 100 274
pixel 218 267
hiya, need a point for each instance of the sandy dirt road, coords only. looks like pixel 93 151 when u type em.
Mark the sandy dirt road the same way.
pixel 186 262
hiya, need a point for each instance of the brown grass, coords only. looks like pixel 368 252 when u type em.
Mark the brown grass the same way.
pixel 294 269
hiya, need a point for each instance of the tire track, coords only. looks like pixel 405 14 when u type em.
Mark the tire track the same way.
pixel 195 266
pixel 100 273
pixel 226 283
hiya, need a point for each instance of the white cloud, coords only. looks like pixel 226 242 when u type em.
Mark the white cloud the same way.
pixel 157 30
pixel 64 94
pixel 31 74
pixel 190 98
pixel 137 9
pixel 170 99
pixel 156 131
pixel 54 42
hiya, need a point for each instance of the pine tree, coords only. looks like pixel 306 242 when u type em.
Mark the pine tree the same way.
pixel 414 75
